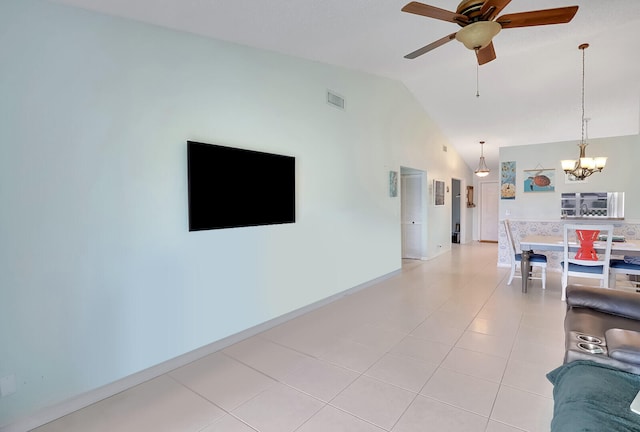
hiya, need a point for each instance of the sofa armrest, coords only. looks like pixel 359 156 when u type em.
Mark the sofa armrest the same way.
pixel 621 303
pixel 623 345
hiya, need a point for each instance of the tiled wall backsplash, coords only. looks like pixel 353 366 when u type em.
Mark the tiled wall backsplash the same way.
pixel 523 228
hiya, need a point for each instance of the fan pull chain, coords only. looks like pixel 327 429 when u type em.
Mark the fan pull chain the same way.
pixel 477 80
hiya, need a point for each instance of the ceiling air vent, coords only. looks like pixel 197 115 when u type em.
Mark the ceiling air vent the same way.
pixel 335 100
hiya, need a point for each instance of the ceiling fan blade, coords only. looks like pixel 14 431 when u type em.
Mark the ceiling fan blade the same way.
pixel 491 8
pixel 434 12
pixel 486 54
pixel 541 17
pixel 433 45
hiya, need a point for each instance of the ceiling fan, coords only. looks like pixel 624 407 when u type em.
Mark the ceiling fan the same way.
pixel 479 25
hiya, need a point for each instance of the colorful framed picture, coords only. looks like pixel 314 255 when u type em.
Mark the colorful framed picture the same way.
pixel 508 180
pixel 540 180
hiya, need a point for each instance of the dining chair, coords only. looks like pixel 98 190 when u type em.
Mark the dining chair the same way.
pixel 597 267
pixel 536 260
pixel 622 266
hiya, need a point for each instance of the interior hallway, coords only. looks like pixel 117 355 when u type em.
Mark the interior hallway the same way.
pixel 444 345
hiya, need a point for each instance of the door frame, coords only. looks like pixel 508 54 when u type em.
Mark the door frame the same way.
pixel 423 208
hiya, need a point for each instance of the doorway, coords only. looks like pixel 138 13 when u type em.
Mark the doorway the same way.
pixel 412 213
pixel 489 212
pixel 456 210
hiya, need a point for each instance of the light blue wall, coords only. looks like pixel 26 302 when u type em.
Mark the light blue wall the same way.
pixel 618 176
pixel 99 276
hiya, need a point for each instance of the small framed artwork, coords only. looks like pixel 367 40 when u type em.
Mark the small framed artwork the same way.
pixel 393 183
pixel 508 180
pixel 470 203
pixel 540 180
pixel 438 192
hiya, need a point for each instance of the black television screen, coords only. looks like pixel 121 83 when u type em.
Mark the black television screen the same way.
pixel 231 187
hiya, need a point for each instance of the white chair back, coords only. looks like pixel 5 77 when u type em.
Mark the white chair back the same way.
pixel 582 268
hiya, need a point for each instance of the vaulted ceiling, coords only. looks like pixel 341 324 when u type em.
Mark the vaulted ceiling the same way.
pixel 530 94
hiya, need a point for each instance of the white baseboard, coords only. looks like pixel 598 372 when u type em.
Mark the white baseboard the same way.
pixel 83 400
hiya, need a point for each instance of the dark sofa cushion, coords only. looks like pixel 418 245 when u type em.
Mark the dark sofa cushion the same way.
pixel 623 345
pixel 614 302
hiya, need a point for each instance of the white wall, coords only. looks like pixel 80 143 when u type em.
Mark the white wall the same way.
pixel 618 176
pixel 99 276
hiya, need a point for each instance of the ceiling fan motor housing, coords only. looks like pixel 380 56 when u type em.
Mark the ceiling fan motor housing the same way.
pixel 470 9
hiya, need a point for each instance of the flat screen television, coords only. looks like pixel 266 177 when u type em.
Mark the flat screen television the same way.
pixel 232 187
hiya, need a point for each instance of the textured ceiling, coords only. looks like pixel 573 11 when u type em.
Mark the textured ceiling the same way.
pixel 529 95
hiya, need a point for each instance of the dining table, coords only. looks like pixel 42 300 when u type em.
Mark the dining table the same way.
pixel 556 243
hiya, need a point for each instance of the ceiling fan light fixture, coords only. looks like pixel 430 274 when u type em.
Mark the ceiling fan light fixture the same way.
pixel 478 35
pixel 482 170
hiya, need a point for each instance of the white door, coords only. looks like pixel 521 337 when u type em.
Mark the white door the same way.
pixel 411 214
pixel 489 211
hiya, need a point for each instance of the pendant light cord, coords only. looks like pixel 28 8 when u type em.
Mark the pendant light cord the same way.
pixel 583 47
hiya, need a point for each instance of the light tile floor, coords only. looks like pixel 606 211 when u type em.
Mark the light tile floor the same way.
pixel 445 345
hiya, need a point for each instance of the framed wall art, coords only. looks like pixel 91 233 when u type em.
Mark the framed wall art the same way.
pixel 393 183
pixel 438 192
pixel 508 180
pixel 540 180
pixel 470 203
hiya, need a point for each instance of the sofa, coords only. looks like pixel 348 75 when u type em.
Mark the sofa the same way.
pixel 603 325
pixel 600 376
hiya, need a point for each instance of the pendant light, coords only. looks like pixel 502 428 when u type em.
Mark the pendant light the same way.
pixel 482 170
pixel 585 166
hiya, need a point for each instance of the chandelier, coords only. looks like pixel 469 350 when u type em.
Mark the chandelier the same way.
pixel 584 166
pixel 482 170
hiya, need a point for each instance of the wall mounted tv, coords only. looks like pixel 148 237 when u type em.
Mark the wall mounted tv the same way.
pixel 231 187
